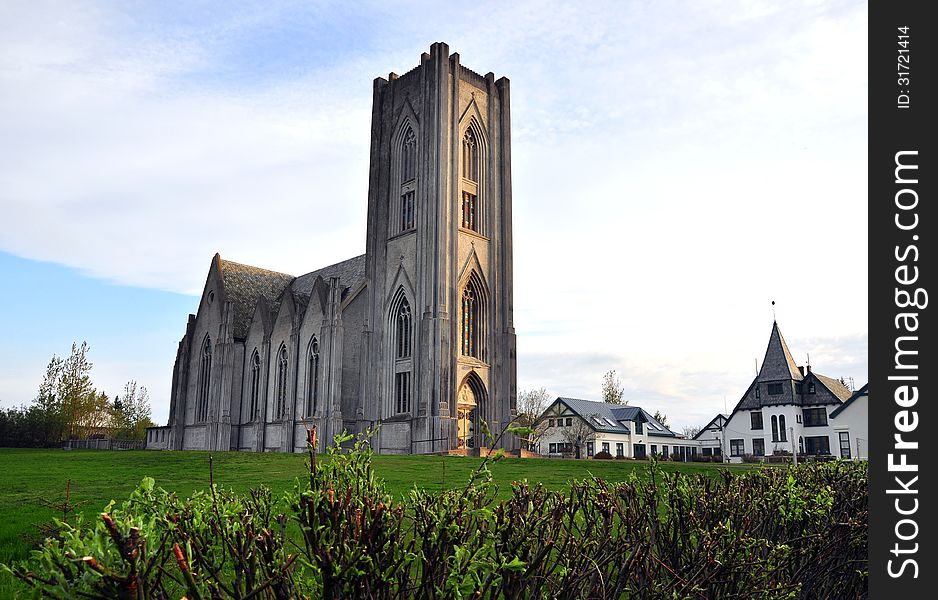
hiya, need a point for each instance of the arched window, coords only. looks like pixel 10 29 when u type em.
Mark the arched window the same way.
pixel 312 378
pixel 281 382
pixel 472 319
pixel 800 445
pixel 404 329
pixel 401 332
pixel 408 156
pixel 470 155
pixel 255 383
pixel 471 211
pixel 403 215
pixel 205 380
pixel 782 432
pixel 774 428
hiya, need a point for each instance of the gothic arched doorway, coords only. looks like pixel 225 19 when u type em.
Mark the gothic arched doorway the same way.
pixel 469 405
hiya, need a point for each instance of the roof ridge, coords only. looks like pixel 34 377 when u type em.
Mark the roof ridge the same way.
pixel 244 265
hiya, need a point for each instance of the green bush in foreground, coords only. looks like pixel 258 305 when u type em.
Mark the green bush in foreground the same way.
pixel 766 533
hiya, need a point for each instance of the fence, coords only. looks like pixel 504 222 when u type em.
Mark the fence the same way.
pixel 105 444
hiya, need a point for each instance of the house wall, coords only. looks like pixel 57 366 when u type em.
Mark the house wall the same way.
pixel 740 427
pixel 854 419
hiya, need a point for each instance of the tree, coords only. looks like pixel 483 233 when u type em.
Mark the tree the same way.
pixel 661 418
pixel 691 431
pixel 531 403
pixel 612 389
pixel 132 412
pixel 66 391
pixel 578 433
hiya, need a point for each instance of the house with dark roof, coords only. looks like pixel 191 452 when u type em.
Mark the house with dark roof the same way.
pixel 786 408
pixel 415 337
pixel 576 428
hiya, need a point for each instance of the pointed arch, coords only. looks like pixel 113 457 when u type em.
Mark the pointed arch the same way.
pixel 472 162
pixel 473 315
pixel 472 408
pixel 782 430
pixel 774 428
pixel 405 153
pixel 312 377
pixel 280 392
pixel 255 384
pixel 400 328
pixel 205 380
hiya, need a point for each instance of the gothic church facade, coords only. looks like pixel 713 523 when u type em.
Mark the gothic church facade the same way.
pixel 414 336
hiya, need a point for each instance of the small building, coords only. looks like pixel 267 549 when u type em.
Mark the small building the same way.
pixel 710 437
pixel 575 428
pixel 851 423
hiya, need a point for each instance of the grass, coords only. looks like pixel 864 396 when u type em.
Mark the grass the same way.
pixel 100 476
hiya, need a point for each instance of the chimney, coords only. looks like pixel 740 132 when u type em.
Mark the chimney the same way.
pixel 809 368
pixel 801 370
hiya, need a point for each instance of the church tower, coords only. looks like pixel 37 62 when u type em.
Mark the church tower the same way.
pixel 439 335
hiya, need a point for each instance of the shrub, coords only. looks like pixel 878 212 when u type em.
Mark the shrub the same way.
pixel 795 532
pixel 602 455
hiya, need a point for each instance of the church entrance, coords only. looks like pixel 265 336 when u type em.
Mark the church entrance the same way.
pixel 465 413
pixel 468 406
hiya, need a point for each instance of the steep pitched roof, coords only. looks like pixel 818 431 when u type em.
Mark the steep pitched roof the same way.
pixel 863 391
pixel 719 420
pixel 778 362
pixel 244 285
pixel 351 272
pixel 835 386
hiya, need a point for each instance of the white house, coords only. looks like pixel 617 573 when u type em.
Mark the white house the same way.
pixel 581 428
pixel 788 408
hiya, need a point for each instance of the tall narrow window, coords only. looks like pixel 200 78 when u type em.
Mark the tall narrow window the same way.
pixel 404 214
pixel 408 156
pixel 469 324
pixel 472 318
pixel 403 329
pixel 400 352
pixel 281 382
pixel 205 381
pixel 470 156
pixel 255 383
pixel 402 392
pixel 774 428
pixel 312 379
pixel 407 211
pixel 469 213
pixel 782 431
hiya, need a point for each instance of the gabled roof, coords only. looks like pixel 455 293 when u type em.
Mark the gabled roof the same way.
pixel 244 285
pixel 778 363
pixel 719 420
pixel 863 391
pixel 834 385
pixel 587 409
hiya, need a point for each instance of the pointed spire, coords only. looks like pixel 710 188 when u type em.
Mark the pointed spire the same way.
pixel 778 363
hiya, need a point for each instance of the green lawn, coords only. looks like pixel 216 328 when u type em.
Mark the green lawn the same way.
pixel 99 476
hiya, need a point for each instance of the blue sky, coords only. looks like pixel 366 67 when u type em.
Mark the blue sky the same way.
pixel 677 166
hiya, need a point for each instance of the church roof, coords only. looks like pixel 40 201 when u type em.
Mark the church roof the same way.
pixel 778 363
pixel 244 285
pixel 350 272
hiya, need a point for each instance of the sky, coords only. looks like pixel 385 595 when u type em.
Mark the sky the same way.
pixel 677 167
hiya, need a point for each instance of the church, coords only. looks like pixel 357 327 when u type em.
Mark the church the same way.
pixel 415 337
